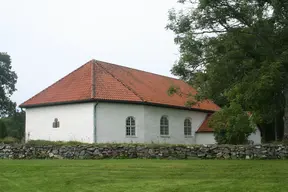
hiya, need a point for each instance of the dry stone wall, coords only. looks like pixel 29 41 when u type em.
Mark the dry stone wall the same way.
pixel 127 151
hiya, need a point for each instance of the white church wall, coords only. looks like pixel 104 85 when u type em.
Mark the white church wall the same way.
pixel 205 138
pixel 111 122
pixel 76 123
pixel 176 119
pixel 111 127
pixel 208 138
pixel 255 137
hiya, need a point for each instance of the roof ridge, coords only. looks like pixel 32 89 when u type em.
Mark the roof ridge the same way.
pixel 93 90
pixel 57 81
pixel 139 70
pixel 100 81
pixel 129 88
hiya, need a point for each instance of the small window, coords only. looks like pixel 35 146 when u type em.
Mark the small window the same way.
pixel 187 127
pixel 56 123
pixel 130 126
pixel 164 126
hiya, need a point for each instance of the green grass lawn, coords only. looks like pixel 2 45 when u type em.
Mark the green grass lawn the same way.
pixel 143 175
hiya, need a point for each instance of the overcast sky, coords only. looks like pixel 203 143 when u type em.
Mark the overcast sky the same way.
pixel 48 39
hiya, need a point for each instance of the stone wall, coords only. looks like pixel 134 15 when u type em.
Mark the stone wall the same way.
pixel 125 151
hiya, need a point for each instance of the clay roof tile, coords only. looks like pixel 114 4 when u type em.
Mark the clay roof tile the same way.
pixel 97 80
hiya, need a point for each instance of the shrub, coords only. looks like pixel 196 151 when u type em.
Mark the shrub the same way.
pixel 56 143
pixel 231 125
pixel 9 140
pixel 3 130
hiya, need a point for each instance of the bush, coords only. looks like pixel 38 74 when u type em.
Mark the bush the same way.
pixel 9 140
pixel 231 125
pixel 55 143
pixel 3 130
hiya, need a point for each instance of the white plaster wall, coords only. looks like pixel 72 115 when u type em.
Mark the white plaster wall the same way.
pixel 176 119
pixel 76 123
pixel 255 137
pixel 205 138
pixel 111 122
pixel 208 138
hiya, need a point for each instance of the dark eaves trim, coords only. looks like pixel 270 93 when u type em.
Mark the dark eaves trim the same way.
pixel 115 101
pixel 204 132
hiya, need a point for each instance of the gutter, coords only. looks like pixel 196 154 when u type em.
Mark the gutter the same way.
pixel 93 94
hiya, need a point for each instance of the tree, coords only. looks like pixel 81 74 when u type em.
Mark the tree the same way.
pixel 235 51
pixel 8 79
pixel 15 124
pixel 3 130
pixel 231 125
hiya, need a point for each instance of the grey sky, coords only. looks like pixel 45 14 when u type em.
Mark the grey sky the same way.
pixel 48 39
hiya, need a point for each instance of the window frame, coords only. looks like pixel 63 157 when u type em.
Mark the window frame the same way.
pixel 130 127
pixel 164 126
pixel 189 127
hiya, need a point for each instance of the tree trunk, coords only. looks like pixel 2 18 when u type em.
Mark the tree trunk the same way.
pixel 285 117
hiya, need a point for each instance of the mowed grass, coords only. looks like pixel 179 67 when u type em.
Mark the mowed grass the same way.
pixel 143 175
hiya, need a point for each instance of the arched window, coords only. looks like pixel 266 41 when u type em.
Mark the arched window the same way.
pixel 164 126
pixel 187 127
pixel 130 126
pixel 56 123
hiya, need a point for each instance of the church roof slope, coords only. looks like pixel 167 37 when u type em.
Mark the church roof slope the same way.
pixel 102 81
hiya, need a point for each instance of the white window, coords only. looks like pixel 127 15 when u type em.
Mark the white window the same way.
pixel 164 126
pixel 130 126
pixel 187 127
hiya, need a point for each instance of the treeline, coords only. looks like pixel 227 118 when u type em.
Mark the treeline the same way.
pixel 13 126
pixel 12 120
pixel 235 53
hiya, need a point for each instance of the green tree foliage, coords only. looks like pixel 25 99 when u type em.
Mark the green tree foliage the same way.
pixel 235 51
pixel 16 124
pixel 231 125
pixel 3 130
pixel 8 79
pixel 12 122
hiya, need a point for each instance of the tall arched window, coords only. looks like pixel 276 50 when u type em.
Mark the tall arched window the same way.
pixel 130 126
pixel 164 125
pixel 187 127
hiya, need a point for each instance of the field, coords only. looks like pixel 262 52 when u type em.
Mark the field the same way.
pixel 143 175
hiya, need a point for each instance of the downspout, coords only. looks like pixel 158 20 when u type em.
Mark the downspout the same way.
pixel 93 94
pixel 95 123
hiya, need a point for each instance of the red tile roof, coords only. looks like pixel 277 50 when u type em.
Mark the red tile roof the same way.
pixel 97 80
pixel 204 128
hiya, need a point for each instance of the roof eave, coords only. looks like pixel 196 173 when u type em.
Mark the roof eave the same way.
pixel 113 101
pixel 204 132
